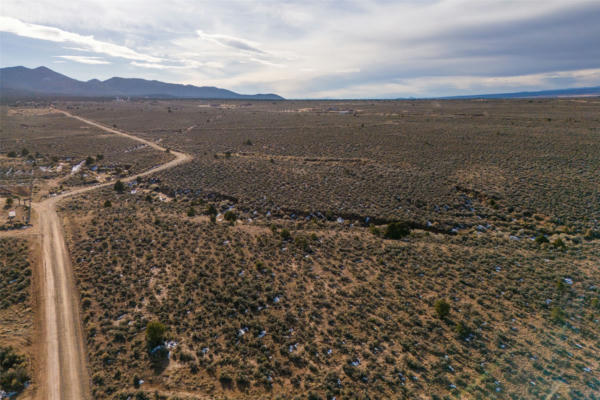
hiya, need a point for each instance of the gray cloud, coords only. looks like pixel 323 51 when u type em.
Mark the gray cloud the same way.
pixel 328 49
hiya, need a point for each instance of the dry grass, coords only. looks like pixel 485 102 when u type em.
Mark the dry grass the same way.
pixel 333 294
pixel 16 315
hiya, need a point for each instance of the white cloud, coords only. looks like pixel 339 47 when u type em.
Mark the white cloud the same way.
pixel 154 65
pixel 85 60
pixel 231 41
pixel 306 48
pixel 42 32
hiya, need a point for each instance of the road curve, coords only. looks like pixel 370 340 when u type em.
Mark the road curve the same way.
pixel 64 359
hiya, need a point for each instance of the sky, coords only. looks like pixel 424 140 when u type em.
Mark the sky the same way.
pixel 313 49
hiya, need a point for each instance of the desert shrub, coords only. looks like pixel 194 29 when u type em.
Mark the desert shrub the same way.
pixel 541 239
pixel 558 243
pixel 211 210
pixel 13 370
pixel 89 160
pixel 302 243
pixel 397 230
pixel 285 234
pixel 191 212
pixel 230 216
pixel 12 154
pixel 374 230
pixel 442 308
pixel 155 332
pixel 119 186
pixel 591 234
pixel 107 204
pixel 462 330
pixel 24 152
pixel 9 202
pixel 557 315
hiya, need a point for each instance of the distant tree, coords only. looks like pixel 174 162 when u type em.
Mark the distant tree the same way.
pixel 107 204
pixel 155 333
pixel 397 230
pixel 100 157
pixel 119 186
pixel 191 212
pixel 12 154
pixel 248 142
pixel 24 152
pixel 442 308
pixel 89 160
pixel 9 202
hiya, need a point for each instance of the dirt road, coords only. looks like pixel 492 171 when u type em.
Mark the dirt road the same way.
pixel 65 373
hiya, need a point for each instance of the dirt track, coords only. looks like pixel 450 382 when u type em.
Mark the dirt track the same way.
pixel 63 367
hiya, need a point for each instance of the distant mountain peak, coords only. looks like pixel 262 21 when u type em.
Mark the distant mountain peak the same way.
pixel 43 81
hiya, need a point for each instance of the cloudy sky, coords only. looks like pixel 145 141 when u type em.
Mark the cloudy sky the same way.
pixel 313 49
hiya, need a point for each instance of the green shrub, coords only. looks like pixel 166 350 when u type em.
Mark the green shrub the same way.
pixel 230 216
pixel 374 230
pixel 13 370
pixel 541 239
pixel 397 230
pixel 119 186
pixel 285 234
pixel 155 332
pixel 442 308
pixel 211 210
pixel 557 315
pixel 591 234
pixel 462 330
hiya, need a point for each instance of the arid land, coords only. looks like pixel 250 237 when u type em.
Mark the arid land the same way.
pixel 262 243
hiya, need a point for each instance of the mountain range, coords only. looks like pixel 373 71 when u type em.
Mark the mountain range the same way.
pixel 571 92
pixel 43 82
pixel 22 82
